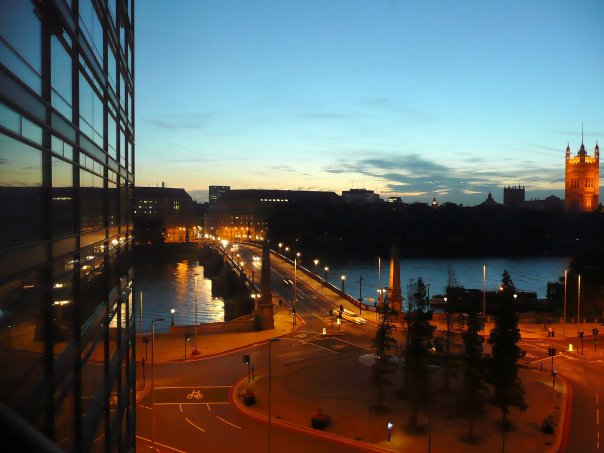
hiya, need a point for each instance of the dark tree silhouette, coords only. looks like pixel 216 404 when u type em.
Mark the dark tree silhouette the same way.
pixel 503 371
pixel 474 388
pixel 419 343
pixel 383 342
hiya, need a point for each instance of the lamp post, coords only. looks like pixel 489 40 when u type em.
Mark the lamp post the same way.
pixel 389 427
pixel 172 310
pixel 270 342
pixel 579 301
pixel 195 350
pixel 343 277
pixel 448 321
pixel 316 263
pixel 296 258
pixel 564 318
pixel 153 381
pixel 361 294
pixel 140 321
pixel 326 269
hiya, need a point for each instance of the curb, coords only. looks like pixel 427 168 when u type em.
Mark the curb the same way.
pixel 563 442
pixel 301 429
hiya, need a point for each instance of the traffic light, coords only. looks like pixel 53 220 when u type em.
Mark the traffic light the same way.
pixel 551 352
pixel 331 312
pixel 246 358
pixel 594 331
pixel 580 334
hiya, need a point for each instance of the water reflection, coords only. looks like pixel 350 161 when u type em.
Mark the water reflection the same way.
pixel 167 285
pixel 528 274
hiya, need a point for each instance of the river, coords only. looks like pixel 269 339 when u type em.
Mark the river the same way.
pixel 171 283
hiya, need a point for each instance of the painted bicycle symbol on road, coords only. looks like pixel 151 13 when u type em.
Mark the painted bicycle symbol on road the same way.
pixel 195 394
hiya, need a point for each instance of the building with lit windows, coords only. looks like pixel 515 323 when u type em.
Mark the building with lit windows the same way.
pixel 243 214
pixel 215 192
pixel 67 154
pixel 174 208
pixel 582 181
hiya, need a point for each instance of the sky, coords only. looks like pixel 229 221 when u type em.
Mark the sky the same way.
pixel 422 99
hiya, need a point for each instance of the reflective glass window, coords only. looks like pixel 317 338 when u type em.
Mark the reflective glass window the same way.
pixel 89 21
pixel 62 197
pixel 31 131
pixel 91 112
pixel 122 148
pixel 10 119
pixel 20 192
pixel 20 43
pixel 111 68
pixel 112 137
pixel 112 196
pixel 60 77
pixel 91 201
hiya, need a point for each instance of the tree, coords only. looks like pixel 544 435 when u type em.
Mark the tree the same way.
pixel 419 343
pixel 473 392
pixel 503 371
pixel 383 342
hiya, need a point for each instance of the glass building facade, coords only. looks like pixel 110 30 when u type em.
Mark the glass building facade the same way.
pixel 67 357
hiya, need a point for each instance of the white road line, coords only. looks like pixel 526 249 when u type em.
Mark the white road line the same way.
pixel 540 360
pixel 352 344
pixel 180 407
pixel 161 445
pixel 190 404
pixel 144 407
pixel 100 437
pixel 190 422
pixel 198 387
pixel 209 408
pixel 323 347
pixel 228 423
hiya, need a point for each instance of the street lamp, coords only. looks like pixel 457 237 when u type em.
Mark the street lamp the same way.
pixel 326 269
pixel 153 381
pixel 270 342
pixel 343 277
pixel 296 258
pixel 389 427
pixel 316 262
pixel 172 310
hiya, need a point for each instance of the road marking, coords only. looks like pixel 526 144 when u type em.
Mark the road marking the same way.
pixel 180 407
pixel 100 437
pixel 209 408
pixel 200 429
pixel 191 404
pixel 191 387
pixel 161 445
pixel 228 423
pixel 144 407
pixel 323 347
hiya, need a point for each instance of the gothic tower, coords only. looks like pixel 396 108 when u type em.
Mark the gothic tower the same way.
pixel 582 185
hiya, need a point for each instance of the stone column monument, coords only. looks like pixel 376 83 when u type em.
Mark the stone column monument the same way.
pixel 395 296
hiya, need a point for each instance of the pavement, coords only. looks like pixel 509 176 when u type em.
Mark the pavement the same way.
pixel 343 391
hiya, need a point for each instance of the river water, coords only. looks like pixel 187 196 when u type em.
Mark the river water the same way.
pixel 171 283
pixel 528 274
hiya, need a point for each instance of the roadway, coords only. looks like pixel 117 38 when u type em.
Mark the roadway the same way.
pixel 193 411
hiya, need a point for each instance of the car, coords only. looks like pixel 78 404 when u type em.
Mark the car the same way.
pixel 287 282
pixel 353 317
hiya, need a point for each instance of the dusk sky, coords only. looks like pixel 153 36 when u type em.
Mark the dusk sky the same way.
pixel 452 99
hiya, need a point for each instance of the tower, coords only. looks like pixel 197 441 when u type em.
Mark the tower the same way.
pixel 265 306
pixel 395 297
pixel 582 181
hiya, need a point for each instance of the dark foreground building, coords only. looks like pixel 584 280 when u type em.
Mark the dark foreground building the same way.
pixel 66 177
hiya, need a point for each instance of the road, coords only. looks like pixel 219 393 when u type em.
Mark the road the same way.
pixel 192 407
pixel 587 379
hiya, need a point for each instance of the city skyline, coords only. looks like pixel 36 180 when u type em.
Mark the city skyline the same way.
pixel 448 100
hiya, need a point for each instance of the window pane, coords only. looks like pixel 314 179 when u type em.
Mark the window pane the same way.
pixel 10 119
pixel 112 71
pixel 91 201
pixel 92 28
pixel 62 197
pixel 31 131
pixel 112 137
pixel 20 192
pixel 20 27
pixel 91 112
pixel 60 77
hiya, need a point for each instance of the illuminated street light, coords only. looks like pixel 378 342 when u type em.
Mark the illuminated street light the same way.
pixel 172 311
pixel 316 263
pixel 326 271
pixel 343 277
pixel 389 427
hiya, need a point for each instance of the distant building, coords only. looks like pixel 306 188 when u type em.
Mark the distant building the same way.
pixel 513 196
pixel 434 203
pixel 174 207
pixel 582 184
pixel 216 192
pixel 551 203
pixel 489 201
pixel 360 196
pixel 395 200
pixel 243 214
